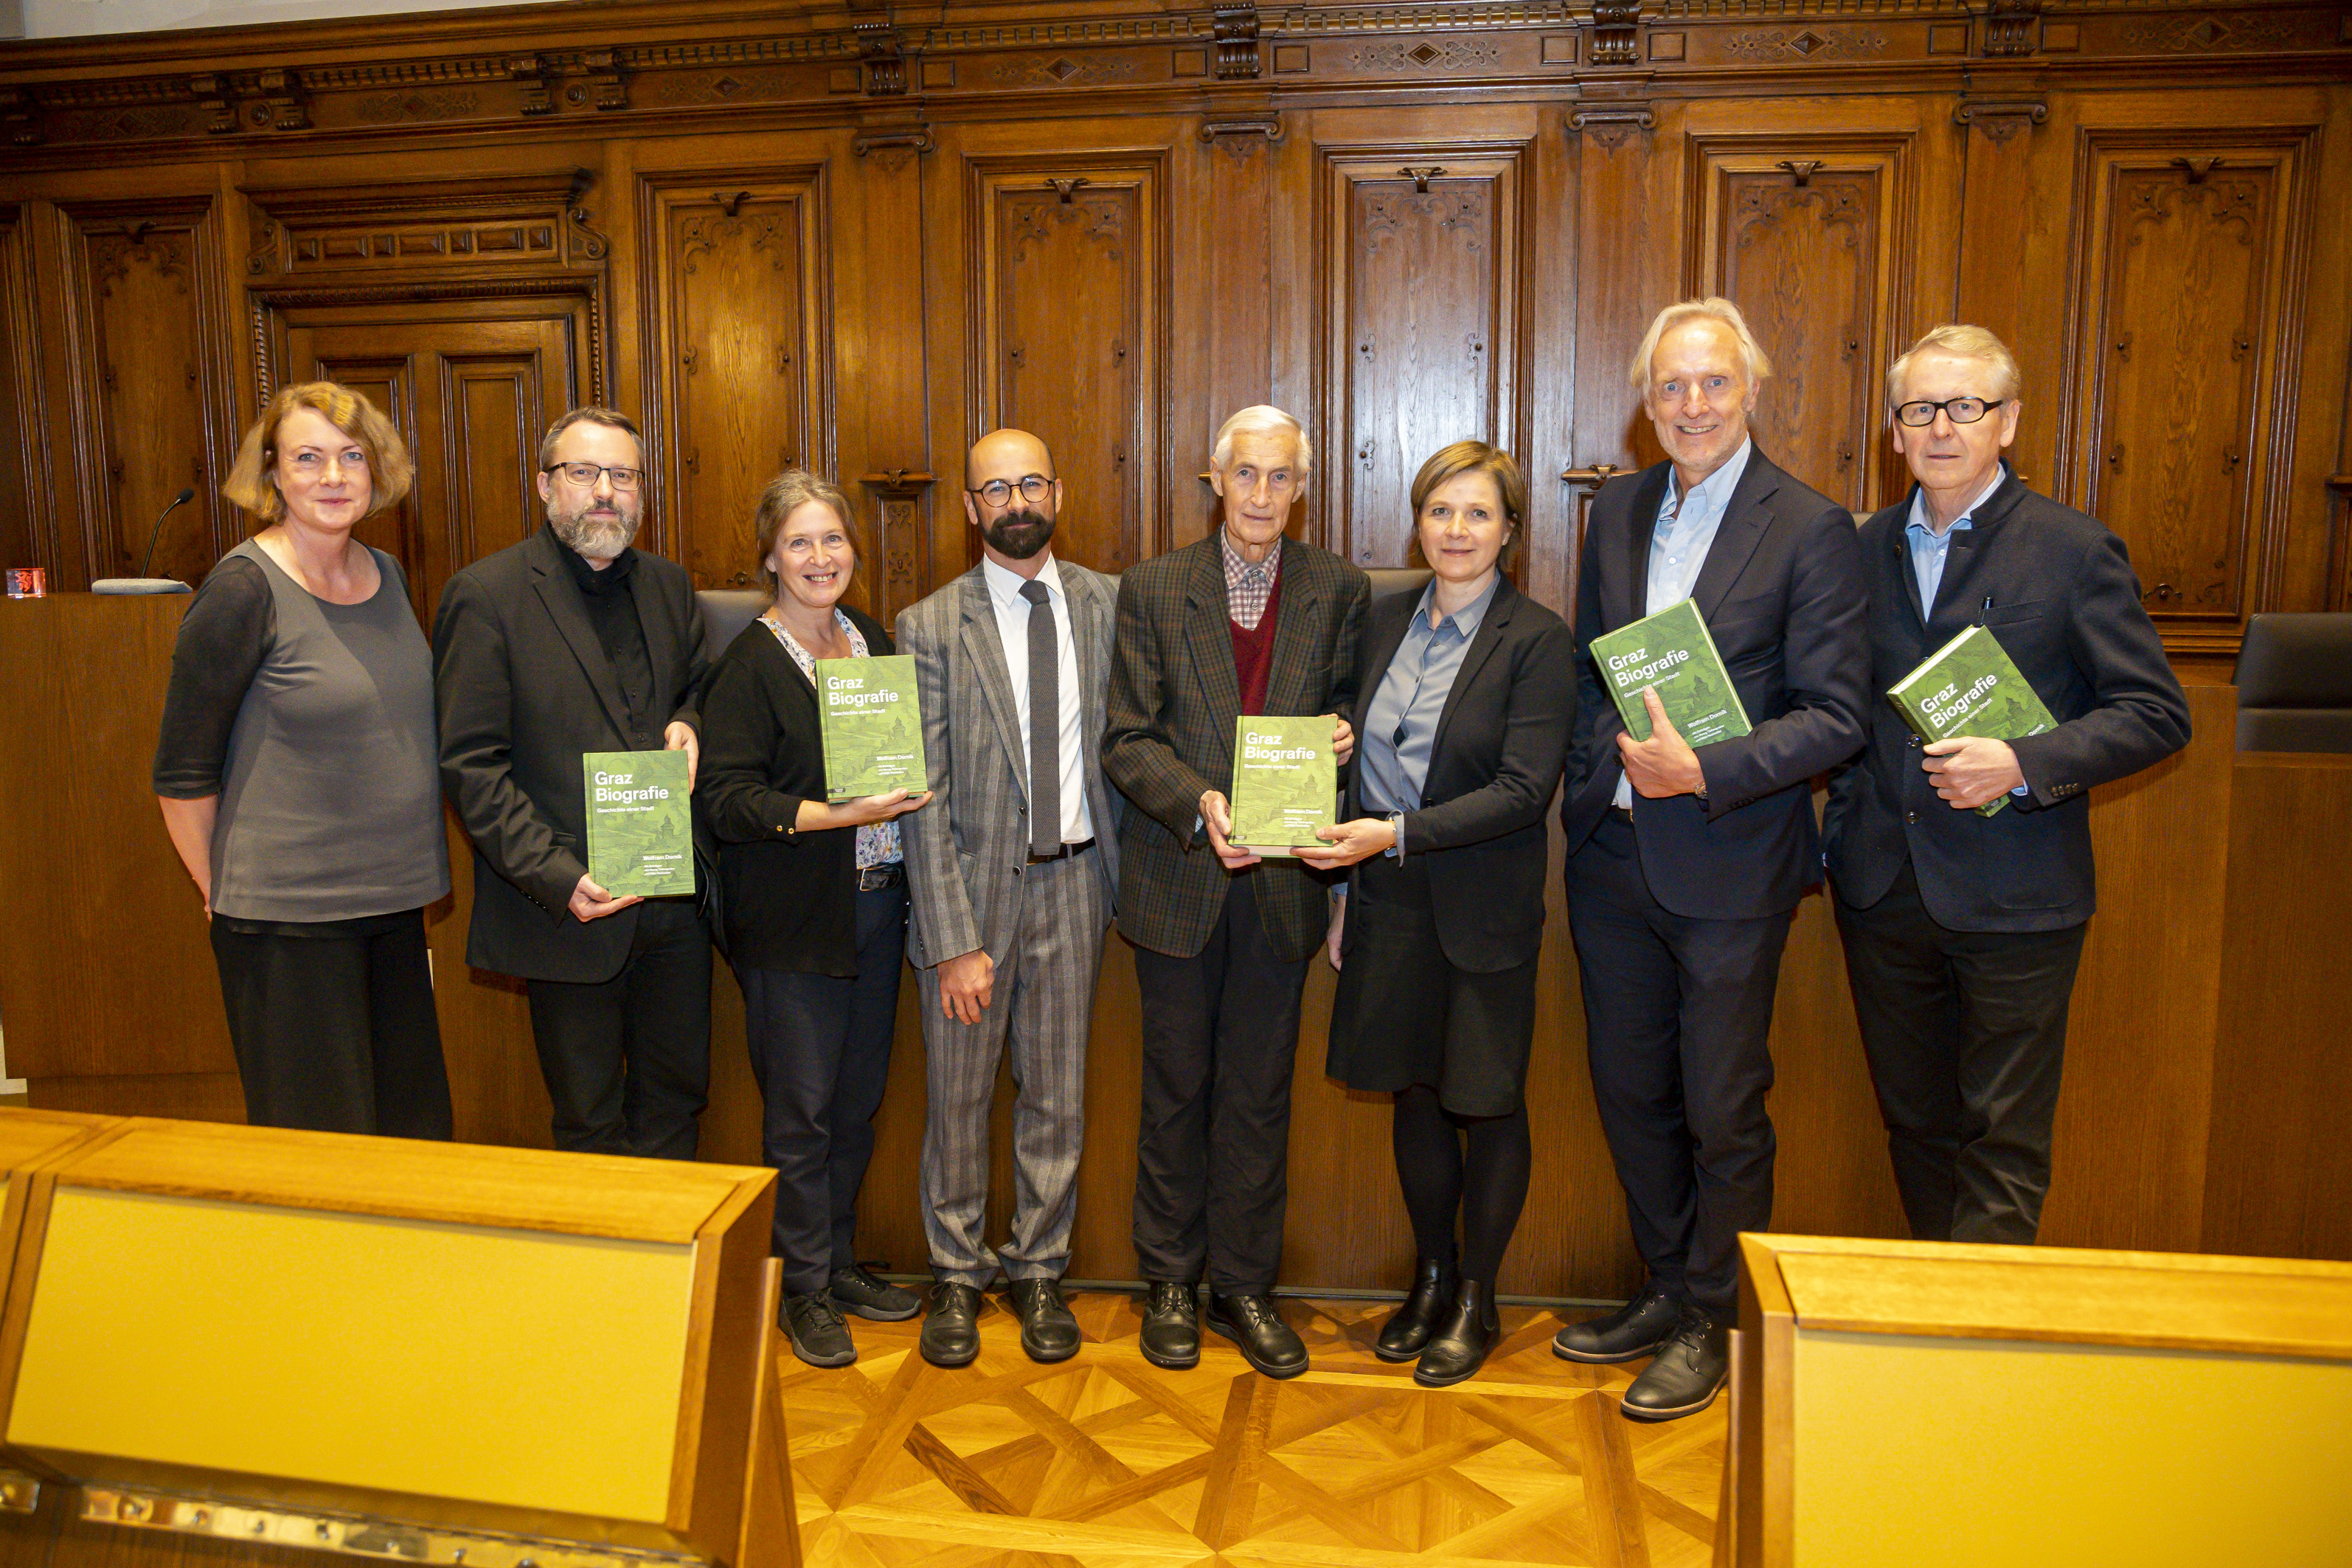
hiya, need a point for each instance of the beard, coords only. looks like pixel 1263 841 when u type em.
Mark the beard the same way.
pixel 1018 535
pixel 594 538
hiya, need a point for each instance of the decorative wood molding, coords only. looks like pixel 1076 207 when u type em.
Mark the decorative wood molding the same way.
pixel 1614 25
pixel 892 149
pixel 262 300
pixel 1612 124
pixel 2010 27
pixel 522 219
pixel 1235 31
pixel 2000 118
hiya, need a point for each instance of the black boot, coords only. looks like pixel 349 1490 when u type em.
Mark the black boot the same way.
pixel 1458 1349
pixel 1409 1327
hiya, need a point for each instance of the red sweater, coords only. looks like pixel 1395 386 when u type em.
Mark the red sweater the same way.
pixel 1254 653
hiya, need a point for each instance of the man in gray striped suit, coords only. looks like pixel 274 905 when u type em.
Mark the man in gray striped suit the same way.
pixel 1011 872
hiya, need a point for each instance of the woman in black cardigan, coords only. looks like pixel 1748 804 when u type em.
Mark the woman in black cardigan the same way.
pixel 814 903
pixel 1466 692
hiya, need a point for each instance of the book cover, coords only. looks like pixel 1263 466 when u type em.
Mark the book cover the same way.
pixel 872 726
pixel 640 823
pixel 1970 686
pixel 1671 651
pixel 1285 782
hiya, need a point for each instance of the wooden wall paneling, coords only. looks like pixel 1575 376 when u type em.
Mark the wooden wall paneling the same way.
pixel 738 264
pixel 1554 524
pixel 471 381
pixel 1069 275
pixel 2188 270
pixel 883 448
pixel 2279 1178
pixel 1229 198
pixel 149 373
pixel 1811 233
pixel 2017 198
pixel 27 524
pixel 1423 258
pixel 2132 1116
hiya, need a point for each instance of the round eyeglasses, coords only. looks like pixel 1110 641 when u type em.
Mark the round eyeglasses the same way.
pixel 584 475
pixel 1959 410
pixel 999 492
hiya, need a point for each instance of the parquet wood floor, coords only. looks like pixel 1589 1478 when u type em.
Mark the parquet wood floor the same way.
pixel 1107 1461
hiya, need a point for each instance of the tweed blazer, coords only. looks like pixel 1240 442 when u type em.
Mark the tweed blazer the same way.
pixel 1174 695
pixel 968 849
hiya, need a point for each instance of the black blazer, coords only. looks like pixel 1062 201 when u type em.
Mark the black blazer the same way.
pixel 2065 604
pixel 1782 593
pixel 1501 740
pixel 788 900
pixel 524 689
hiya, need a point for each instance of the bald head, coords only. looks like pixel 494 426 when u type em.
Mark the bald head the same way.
pixel 1007 454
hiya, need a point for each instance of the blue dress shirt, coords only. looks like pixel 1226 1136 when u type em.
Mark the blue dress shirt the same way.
pixel 1929 547
pixel 1686 528
pixel 1399 728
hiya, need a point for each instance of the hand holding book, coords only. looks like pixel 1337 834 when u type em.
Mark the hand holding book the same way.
pixel 1664 765
pixel 1970 771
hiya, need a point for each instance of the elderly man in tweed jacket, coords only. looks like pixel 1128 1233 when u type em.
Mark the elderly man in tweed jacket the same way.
pixel 1010 870
pixel 1244 621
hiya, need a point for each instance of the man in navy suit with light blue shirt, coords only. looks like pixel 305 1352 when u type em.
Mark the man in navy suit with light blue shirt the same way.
pixel 1685 867
pixel 1962 933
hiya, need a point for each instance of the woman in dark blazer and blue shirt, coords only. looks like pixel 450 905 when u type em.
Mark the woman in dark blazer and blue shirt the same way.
pixel 1468 694
pixel 814 900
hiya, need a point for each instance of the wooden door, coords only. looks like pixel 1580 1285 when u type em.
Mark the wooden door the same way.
pixel 471 384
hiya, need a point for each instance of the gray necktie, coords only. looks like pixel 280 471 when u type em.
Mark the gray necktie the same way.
pixel 1044 724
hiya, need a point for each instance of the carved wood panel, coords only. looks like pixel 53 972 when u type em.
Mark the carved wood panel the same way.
pixel 1802 234
pixel 743 357
pixel 471 384
pixel 1420 337
pixel 150 373
pixel 2189 295
pixel 1071 281
pixel 27 537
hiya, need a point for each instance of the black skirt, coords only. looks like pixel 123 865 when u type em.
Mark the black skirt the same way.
pixel 1403 1015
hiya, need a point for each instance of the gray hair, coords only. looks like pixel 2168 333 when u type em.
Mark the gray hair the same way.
pixel 589 414
pixel 1962 342
pixel 1261 419
pixel 1713 308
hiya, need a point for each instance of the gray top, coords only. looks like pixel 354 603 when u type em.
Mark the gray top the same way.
pixel 1401 725
pixel 313 723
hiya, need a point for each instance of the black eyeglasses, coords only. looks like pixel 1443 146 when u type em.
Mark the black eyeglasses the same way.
pixel 1959 410
pixel 999 492
pixel 584 475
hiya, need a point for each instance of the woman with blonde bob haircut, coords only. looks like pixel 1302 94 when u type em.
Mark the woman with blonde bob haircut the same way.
pixel 298 776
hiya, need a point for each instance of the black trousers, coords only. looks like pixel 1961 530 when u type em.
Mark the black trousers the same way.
pixel 627 1060
pixel 336 1033
pixel 1678 1020
pixel 821 1050
pixel 1966 1032
pixel 1213 1152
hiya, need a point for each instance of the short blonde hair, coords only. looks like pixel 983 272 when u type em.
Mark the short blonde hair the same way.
pixel 1261 419
pixel 786 494
pixel 1714 308
pixel 1963 343
pixel 252 482
pixel 1461 457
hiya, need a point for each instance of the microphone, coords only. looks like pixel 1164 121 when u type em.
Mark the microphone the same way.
pixel 142 584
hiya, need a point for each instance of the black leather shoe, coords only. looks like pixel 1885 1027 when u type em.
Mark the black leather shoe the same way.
pixel 951 1329
pixel 1687 1374
pixel 1410 1326
pixel 855 1289
pixel 1171 1326
pixel 1459 1346
pixel 1634 1331
pixel 1048 1331
pixel 1267 1341
pixel 819 1336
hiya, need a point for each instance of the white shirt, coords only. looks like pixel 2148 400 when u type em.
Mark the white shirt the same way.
pixel 1013 614
pixel 1687 525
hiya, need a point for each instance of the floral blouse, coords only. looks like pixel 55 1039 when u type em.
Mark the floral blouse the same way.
pixel 877 842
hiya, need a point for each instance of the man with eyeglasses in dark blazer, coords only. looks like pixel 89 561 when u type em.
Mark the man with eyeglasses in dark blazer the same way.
pixel 574 641
pixel 1963 932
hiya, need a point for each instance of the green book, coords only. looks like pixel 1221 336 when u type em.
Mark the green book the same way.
pixel 872 726
pixel 1285 782
pixel 1970 686
pixel 640 823
pixel 1672 651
